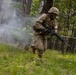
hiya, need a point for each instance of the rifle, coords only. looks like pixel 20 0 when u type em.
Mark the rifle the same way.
pixel 51 31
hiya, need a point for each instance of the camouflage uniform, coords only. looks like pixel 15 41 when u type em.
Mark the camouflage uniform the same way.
pixel 40 41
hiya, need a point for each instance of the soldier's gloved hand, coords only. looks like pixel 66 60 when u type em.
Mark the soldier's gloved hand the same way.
pixel 45 30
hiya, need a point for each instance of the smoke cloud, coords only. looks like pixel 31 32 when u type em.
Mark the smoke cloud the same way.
pixel 14 28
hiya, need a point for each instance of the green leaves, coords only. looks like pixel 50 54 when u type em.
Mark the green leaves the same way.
pixel 35 7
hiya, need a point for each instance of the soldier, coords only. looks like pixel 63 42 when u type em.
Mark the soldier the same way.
pixel 40 40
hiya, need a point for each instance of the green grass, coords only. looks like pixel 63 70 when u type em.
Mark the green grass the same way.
pixel 15 61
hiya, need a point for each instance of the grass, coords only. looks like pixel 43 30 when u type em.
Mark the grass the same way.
pixel 14 61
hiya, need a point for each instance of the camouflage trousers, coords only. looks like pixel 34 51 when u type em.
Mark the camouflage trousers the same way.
pixel 39 44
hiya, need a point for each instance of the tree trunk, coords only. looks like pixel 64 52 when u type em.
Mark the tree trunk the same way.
pixel 23 6
pixel 1 1
pixel 69 13
pixel 47 5
pixel 28 6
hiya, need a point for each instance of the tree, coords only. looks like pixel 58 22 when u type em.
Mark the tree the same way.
pixel 47 5
pixel 1 1
pixel 28 6
pixel 23 6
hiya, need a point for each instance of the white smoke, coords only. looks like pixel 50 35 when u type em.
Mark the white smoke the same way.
pixel 14 29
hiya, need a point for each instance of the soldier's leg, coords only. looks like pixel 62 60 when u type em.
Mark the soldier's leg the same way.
pixel 40 53
pixel 33 48
pixel 41 49
pixel 45 43
pixel 44 47
pixel 38 45
pixel 34 45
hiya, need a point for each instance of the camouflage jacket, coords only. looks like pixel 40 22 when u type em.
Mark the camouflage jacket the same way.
pixel 48 21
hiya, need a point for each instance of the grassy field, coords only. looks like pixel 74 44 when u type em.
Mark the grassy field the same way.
pixel 15 61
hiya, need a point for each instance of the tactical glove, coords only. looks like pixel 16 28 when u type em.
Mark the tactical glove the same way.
pixel 45 31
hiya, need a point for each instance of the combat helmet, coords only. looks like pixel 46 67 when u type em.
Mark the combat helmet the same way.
pixel 54 10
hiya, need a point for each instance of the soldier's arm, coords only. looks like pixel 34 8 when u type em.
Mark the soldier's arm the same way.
pixel 39 22
pixel 55 26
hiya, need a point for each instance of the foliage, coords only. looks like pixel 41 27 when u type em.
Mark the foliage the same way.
pixel 35 7
pixel 14 61
pixel 67 8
